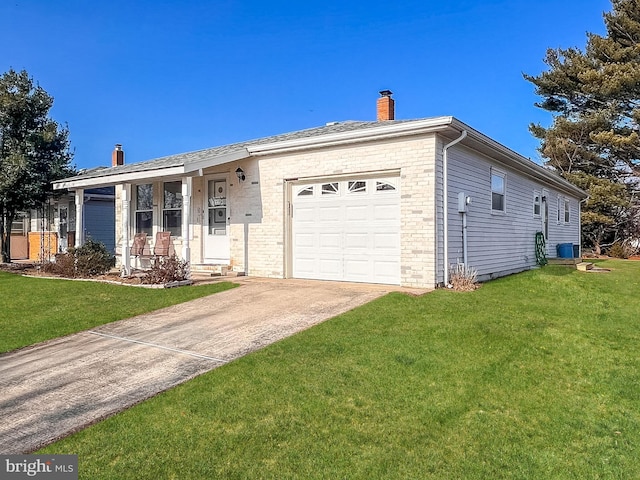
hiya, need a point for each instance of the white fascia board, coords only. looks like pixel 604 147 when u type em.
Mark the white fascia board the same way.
pixel 215 161
pixel 107 180
pixel 380 132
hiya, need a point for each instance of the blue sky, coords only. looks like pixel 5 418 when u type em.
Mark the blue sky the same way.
pixel 164 77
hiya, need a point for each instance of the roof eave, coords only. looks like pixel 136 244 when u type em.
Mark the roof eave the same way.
pixel 383 131
pixel 517 161
pixel 118 178
pixel 198 165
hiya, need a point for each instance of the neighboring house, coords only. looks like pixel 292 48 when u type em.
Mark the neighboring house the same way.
pixel 350 201
pixel 52 229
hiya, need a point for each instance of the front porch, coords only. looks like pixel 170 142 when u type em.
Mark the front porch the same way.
pixel 162 216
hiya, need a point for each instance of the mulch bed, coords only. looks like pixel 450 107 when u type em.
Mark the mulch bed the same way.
pixel 34 270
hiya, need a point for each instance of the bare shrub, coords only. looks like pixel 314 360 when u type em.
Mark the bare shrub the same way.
pixel 463 278
pixel 165 270
pixel 63 265
pixel 89 260
pixel 619 250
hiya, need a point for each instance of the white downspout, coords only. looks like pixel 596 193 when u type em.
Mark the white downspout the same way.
pixel 445 208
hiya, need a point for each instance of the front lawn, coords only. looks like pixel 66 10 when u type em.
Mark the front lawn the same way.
pixel 36 309
pixel 534 376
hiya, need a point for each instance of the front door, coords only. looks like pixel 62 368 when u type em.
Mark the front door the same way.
pixel 216 222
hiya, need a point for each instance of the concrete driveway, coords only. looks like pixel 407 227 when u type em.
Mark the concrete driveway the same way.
pixel 52 389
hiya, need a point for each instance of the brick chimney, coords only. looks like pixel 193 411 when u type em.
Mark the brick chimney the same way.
pixel 386 106
pixel 117 157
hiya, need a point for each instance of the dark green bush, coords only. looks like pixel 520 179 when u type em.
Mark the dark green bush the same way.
pixel 92 259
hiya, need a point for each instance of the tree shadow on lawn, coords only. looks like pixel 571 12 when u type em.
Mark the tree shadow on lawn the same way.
pixel 558 270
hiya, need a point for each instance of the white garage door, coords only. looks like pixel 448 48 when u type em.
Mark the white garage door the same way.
pixel 347 230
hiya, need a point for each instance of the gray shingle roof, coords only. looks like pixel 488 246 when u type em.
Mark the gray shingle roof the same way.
pixel 182 159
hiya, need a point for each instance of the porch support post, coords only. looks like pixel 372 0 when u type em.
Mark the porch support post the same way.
pixel 79 217
pixel 187 183
pixel 126 201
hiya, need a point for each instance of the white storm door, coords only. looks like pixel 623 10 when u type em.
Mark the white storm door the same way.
pixel 63 217
pixel 216 222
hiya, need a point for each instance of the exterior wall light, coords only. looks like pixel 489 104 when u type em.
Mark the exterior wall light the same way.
pixel 240 174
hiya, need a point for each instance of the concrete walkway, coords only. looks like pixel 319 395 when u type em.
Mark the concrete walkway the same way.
pixel 55 388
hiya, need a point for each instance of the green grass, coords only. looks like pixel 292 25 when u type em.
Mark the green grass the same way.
pixel 36 309
pixel 534 376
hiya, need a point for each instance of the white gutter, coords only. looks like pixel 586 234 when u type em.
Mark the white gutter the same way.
pixel 445 202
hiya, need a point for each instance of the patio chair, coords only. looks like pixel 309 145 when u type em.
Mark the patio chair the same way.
pixel 138 248
pixel 162 245
pixel 139 244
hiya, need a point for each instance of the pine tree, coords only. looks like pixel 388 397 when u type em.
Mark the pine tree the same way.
pixel 594 97
pixel 34 150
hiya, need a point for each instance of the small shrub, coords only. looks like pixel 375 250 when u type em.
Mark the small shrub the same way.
pixel 89 260
pixel 63 265
pixel 92 259
pixel 618 250
pixel 463 278
pixel 165 270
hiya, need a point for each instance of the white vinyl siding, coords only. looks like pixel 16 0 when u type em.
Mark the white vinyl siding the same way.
pixel 498 244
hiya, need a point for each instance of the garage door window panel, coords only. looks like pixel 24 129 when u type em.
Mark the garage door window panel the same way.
pixel 384 187
pixel 306 191
pixel 332 188
pixel 357 186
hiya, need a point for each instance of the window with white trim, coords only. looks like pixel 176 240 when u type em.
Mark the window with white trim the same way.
pixel 566 211
pixel 144 209
pixel 536 203
pixel 497 191
pixel 172 208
